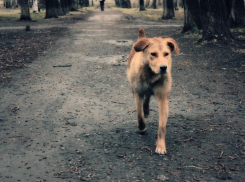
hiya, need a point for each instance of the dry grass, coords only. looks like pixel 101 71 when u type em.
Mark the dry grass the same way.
pixel 241 51
pixel 96 4
pixel 152 14
pixel 14 14
pixel 9 14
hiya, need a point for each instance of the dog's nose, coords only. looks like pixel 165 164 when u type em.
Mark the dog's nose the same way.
pixel 163 69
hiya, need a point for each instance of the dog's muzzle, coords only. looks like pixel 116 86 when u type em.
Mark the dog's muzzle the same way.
pixel 163 69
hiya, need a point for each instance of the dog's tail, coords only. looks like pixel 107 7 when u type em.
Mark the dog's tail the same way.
pixel 141 33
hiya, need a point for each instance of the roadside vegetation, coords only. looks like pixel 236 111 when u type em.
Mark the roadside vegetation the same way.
pixel 14 13
pixel 151 14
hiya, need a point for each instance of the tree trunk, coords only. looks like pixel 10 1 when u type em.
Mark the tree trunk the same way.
pixel 188 22
pixel 35 6
pixel 142 5
pixel 64 6
pixel 86 3
pixel 60 11
pixel 69 4
pixel 237 13
pixel 192 15
pixel 74 5
pixel 8 4
pixel 168 9
pixel 30 3
pixel 125 4
pixel 154 4
pixel 214 19
pixel 51 11
pixel 159 3
pixel 25 12
pixel 14 3
pixel 181 3
pixel 176 5
pixel 129 3
pixel 147 3
pixel 117 3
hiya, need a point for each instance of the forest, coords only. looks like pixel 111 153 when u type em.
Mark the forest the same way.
pixel 213 17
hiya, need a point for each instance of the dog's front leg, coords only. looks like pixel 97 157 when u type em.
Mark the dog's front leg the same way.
pixel 139 100
pixel 163 116
pixel 146 105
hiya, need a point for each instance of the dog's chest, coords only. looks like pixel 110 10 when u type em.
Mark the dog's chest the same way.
pixel 143 88
pixel 146 85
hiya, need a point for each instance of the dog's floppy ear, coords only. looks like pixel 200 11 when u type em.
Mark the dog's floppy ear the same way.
pixel 173 45
pixel 141 44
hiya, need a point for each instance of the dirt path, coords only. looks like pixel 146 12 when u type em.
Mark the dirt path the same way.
pixel 70 115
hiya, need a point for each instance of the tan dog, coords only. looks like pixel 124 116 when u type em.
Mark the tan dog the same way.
pixel 149 73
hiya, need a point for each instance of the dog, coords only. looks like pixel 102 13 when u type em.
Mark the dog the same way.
pixel 149 73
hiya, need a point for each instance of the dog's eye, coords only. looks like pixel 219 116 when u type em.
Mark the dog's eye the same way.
pixel 154 54
pixel 166 54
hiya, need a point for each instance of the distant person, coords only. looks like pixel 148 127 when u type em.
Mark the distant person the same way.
pixel 102 4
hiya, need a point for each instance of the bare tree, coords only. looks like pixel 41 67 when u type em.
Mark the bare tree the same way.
pixel 14 3
pixel 128 3
pixel 51 10
pixel 142 5
pixel 69 4
pixel 168 9
pixel 214 19
pixel 188 21
pixel 25 12
pixel 60 11
pixel 160 3
pixel 123 3
pixel 154 4
pixel 64 6
pixel 35 6
pixel 74 5
pixel 7 4
pixel 192 15
pixel 237 13
pixel 176 4
pixel 86 3
pixel 147 3
pixel 117 3
pixel 181 3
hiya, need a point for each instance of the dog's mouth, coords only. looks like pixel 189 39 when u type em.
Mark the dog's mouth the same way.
pixel 163 72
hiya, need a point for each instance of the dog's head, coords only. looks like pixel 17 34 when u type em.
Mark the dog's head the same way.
pixel 157 52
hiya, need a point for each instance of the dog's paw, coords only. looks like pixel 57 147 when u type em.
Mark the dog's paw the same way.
pixel 161 149
pixel 146 112
pixel 141 125
pixel 142 131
